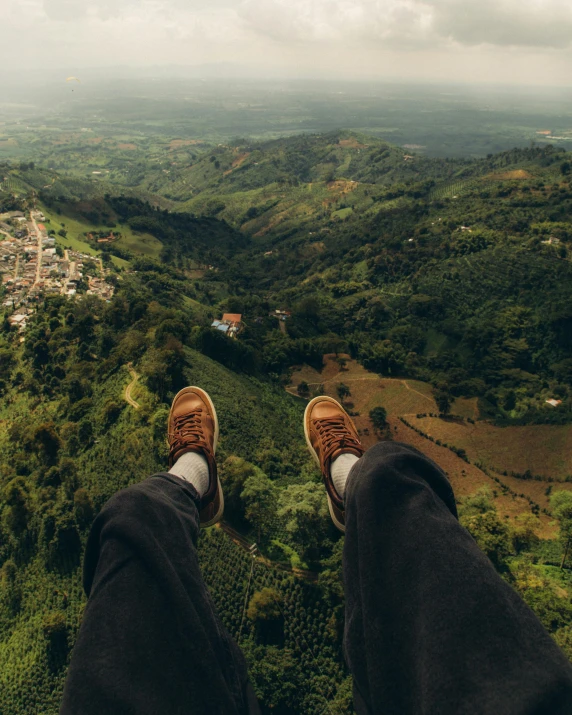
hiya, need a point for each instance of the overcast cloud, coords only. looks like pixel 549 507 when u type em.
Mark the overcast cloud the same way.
pixel 503 40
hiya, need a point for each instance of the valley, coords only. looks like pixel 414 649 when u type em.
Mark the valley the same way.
pixel 431 295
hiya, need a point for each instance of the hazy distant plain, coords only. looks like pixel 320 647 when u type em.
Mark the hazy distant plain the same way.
pixel 438 120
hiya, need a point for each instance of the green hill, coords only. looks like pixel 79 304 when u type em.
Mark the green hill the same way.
pixel 73 441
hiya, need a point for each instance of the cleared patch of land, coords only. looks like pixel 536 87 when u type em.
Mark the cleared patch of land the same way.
pixel 352 143
pixel 178 143
pixel 509 175
pixel 76 226
pixel 463 407
pixel 545 450
pixel 466 479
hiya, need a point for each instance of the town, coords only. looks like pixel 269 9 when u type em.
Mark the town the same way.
pixel 32 266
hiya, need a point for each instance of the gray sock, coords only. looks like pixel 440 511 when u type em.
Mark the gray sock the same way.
pixel 340 469
pixel 193 468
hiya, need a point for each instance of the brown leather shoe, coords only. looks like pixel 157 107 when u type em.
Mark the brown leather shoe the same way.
pixel 330 432
pixel 193 427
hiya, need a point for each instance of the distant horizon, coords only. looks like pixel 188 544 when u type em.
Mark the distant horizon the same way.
pixel 211 71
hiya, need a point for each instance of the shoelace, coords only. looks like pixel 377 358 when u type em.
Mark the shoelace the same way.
pixel 187 427
pixel 335 434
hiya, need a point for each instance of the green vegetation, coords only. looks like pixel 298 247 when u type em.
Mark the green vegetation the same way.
pixel 463 297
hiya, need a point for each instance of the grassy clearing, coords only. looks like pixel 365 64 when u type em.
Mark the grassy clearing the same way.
pixel 120 262
pixel 142 243
pixel 76 227
pixel 342 213
pixel 368 390
pixel 76 245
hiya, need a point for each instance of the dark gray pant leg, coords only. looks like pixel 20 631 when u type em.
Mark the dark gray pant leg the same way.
pixel 431 628
pixel 150 642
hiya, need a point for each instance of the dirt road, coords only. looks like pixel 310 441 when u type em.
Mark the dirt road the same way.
pixel 130 386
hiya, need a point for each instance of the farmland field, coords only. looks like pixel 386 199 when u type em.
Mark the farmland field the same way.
pixel 546 450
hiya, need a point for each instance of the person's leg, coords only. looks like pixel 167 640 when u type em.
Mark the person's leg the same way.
pixel 150 641
pixel 430 625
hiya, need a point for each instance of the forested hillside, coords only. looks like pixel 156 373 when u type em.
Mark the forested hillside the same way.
pixel 452 276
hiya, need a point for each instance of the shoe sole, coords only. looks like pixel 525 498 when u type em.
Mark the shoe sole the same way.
pixel 322 398
pixel 217 517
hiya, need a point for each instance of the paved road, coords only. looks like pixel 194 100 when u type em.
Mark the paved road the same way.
pixel 130 387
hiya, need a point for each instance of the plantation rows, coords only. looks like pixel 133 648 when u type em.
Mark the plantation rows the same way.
pixel 12 185
pixel 458 187
pixel 309 629
pixel 34 660
pixel 453 189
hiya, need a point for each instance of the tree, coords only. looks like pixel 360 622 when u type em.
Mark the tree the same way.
pixel 276 677
pixel 259 497
pixel 303 389
pixel 16 509
pixel 480 502
pixel 510 400
pixel 479 516
pixel 233 475
pixel 55 632
pixel 54 627
pixel 443 403
pixel 41 354
pixel 46 442
pixel 492 535
pixel 10 591
pixel 305 512
pixel 343 391
pixel 266 611
pixel 524 532
pixel 265 605
pixel 60 539
pixel 561 504
pixel 378 416
pixel 83 508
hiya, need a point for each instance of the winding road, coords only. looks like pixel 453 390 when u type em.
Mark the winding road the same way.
pixel 130 387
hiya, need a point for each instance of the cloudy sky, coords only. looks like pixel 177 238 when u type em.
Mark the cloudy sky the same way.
pixel 509 41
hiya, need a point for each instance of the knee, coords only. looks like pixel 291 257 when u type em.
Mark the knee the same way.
pixel 144 501
pixel 379 468
pixel 125 504
pixel 392 468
